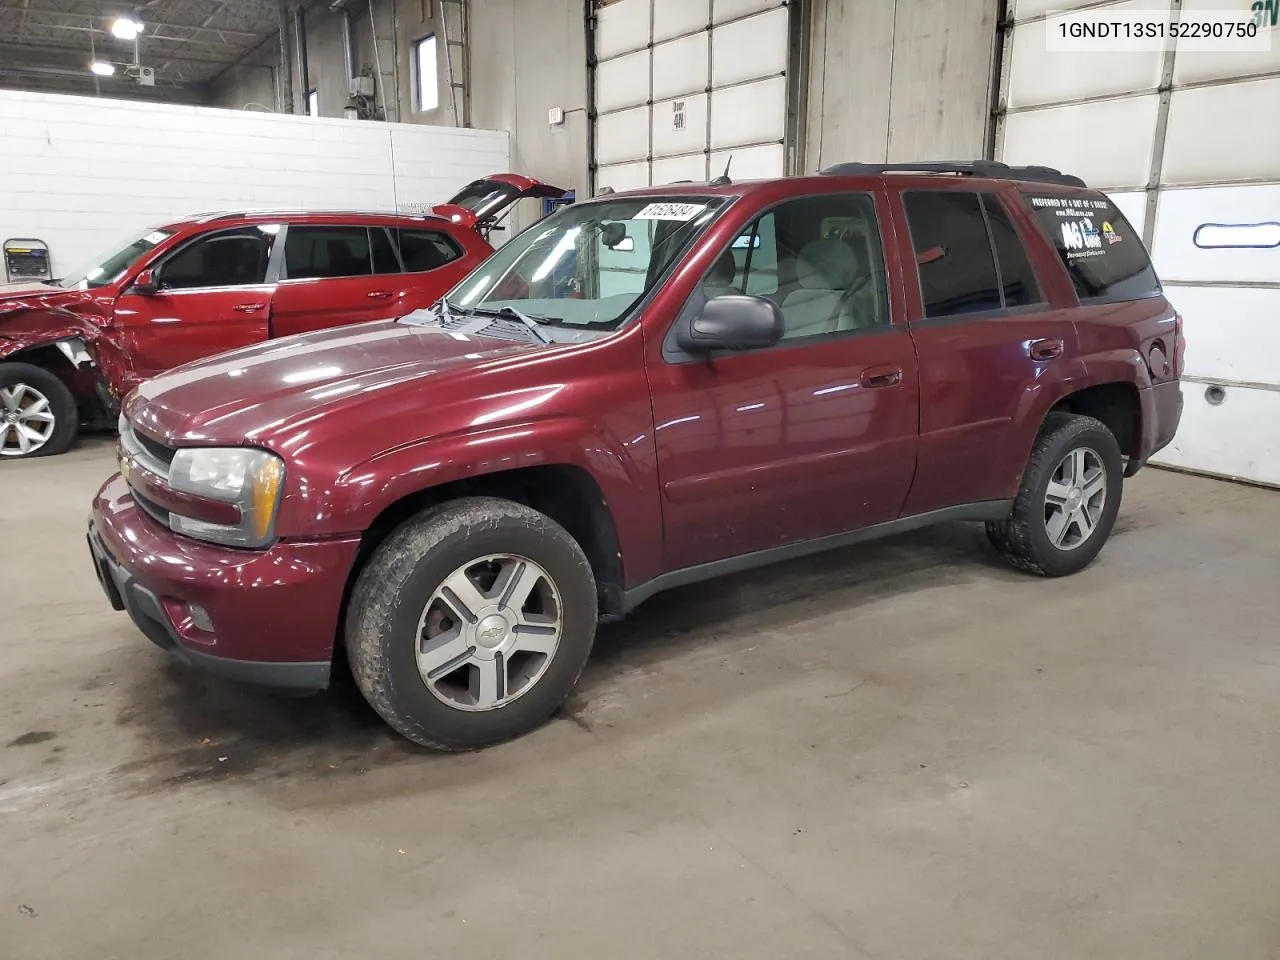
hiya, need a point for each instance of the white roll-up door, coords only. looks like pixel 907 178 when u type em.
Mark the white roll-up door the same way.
pixel 682 85
pixel 1188 145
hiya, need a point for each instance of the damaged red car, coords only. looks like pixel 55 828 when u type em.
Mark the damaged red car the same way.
pixel 72 348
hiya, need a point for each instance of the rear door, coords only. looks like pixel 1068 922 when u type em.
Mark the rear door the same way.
pixel 336 274
pixel 213 294
pixel 987 337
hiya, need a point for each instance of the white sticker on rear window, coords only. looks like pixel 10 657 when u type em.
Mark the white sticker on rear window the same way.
pixel 670 211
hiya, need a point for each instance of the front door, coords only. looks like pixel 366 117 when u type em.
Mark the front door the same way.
pixel 211 295
pixel 814 436
pixel 335 275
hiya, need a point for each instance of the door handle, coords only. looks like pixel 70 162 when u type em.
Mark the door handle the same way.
pixel 379 295
pixel 1046 349
pixel 876 377
pixel 248 307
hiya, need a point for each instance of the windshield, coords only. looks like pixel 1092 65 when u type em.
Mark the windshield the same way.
pixel 108 266
pixel 587 265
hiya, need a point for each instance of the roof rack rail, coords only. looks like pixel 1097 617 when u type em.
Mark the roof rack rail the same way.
pixel 991 169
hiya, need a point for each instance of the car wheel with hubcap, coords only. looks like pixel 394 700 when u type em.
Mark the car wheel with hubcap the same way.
pixel 37 412
pixel 1068 500
pixel 471 623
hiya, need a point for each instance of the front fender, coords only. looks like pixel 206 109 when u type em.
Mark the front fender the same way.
pixel 361 493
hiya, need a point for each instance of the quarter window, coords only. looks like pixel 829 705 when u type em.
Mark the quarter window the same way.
pixel 1017 279
pixel 1100 249
pixel 819 258
pixel 234 258
pixel 426 249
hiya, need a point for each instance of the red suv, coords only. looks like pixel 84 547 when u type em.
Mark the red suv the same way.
pixel 644 390
pixel 70 348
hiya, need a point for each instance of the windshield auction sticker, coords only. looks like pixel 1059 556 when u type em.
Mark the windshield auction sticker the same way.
pixel 670 211
pixel 1075 222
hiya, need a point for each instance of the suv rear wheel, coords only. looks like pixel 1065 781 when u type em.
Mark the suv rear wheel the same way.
pixel 1068 501
pixel 471 623
pixel 37 412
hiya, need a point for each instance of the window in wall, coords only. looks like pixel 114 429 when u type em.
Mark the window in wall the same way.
pixel 313 103
pixel 426 249
pixel 426 92
pixel 819 258
pixel 1017 279
pixel 1100 249
pixel 229 259
pixel 953 253
pixel 311 252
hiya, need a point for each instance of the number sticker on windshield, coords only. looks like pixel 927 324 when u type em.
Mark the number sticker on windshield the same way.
pixel 154 237
pixel 670 211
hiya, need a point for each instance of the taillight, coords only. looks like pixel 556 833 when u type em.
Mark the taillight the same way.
pixel 1180 345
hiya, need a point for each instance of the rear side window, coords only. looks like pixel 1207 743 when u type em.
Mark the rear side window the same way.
pixel 953 253
pixel 1017 280
pixel 384 255
pixel 1100 249
pixel 426 249
pixel 311 252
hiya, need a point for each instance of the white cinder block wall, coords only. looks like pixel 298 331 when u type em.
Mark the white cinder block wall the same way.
pixel 82 173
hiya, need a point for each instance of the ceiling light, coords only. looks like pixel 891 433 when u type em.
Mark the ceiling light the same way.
pixel 102 68
pixel 125 28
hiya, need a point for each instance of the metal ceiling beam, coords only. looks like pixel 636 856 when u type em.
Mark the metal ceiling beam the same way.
pixel 18 49
pixel 73 21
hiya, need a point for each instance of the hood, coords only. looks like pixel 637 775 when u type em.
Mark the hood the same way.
pixel 22 296
pixel 266 392
pixel 35 313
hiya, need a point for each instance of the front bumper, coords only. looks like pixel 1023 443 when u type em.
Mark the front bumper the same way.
pixel 274 613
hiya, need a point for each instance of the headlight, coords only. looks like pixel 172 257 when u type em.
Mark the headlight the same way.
pixel 250 479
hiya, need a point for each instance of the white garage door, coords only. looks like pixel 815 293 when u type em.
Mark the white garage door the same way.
pixel 1187 143
pixel 683 84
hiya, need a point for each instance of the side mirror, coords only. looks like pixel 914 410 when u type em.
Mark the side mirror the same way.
pixel 732 323
pixel 145 284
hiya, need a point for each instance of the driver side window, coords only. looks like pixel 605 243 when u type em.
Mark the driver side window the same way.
pixel 236 258
pixel 819 258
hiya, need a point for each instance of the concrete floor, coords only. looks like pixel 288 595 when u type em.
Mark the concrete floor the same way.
pixel 901 751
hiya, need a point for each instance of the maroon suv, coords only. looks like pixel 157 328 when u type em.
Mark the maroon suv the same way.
pixel 644 390
pixel 72 347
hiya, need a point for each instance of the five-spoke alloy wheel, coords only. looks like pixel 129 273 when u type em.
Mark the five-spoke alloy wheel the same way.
pixel 37 412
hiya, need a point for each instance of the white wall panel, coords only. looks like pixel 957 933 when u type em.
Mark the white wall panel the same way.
pixel 623 82
pixel 622 137
pixel 1037 75
pixel 669 141
pixel 1022 9
pixel 751 163
pixel 80 173
pixel 1237 438
pixel 1217 133
pixel 1180 212
pixel 750 113
pixel 624 176
pixel 731 9
pixel 672 18
pixel 622 27
pixel 750 48
pixel 1133 206
pixel 680 67
pixel 689 167
pixel 1106 142
pixel 1232 332
pixel 1195 65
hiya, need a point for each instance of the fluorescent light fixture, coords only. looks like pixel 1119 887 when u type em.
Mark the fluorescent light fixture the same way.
pixel 125 28
pixel 102 68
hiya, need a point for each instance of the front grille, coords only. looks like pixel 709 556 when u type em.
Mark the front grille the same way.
pixel 152 509
pixel 154 448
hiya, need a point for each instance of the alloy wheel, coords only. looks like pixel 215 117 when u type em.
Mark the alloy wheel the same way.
pixel 27 420
pixel 489 632
pixel 1074 499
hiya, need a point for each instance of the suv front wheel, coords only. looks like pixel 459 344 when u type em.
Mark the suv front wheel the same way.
pixel 471 623
pixel 1068 500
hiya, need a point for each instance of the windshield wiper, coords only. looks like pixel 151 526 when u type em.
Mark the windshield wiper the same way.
pixel 533 323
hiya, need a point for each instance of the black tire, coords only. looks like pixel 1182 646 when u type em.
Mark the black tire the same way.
pixel 1023 539
pixel 61 402
pixel 396 585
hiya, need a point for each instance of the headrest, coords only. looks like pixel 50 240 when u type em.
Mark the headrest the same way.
pixel 722 271
pixel 830 264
